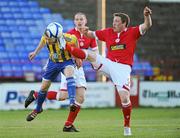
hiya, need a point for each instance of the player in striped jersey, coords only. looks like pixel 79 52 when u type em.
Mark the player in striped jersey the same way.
pixel 80 20
pixel 60 60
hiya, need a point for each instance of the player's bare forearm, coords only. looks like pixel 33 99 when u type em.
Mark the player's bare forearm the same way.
pixel 85 30
pixel 39 47
pixel 90 34
pixel 147 19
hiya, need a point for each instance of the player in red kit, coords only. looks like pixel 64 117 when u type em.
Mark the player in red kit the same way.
pixel 84 43
pixel 120 43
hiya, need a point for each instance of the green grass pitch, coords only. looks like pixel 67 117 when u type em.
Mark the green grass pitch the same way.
pixel 92 123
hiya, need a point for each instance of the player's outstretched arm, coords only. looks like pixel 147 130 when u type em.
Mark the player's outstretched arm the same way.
pixel 147 19
pixel 85 30
pixel 36 51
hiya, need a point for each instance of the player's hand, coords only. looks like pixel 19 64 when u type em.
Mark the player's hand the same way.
pixel 147 11
pixel 84 30
pixel 31 55
pixel 78 62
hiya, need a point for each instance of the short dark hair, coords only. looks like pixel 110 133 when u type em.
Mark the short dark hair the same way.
pixel 80 13
pixel 124 17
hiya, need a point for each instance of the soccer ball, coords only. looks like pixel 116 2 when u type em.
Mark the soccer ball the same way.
pixel 54 30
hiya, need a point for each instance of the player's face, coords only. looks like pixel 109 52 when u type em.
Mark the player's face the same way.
pixel 80 20
pixel 118 26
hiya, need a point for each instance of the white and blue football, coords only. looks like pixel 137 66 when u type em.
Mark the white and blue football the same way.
pixel 54 30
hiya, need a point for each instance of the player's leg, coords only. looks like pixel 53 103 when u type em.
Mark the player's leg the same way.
pixel 121 79
pixel 51 95
pixel 49 75
pixel 74 110
pixel 82 54
pixel 80 92
pixel 71 85
pixel 40 99
pixel 126 109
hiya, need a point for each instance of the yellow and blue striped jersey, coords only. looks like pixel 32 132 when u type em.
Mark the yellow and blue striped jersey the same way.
pixel 57 52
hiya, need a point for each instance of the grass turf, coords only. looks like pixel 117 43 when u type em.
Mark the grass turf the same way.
pixel 93 123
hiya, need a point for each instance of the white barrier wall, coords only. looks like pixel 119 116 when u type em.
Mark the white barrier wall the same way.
pixel 159 94
pixel 12 95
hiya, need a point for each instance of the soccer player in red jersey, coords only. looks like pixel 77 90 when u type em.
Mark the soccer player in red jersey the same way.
pixel 120 43
pixel 85 42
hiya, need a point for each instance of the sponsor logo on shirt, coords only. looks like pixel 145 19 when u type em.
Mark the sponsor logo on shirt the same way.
pixel 118 47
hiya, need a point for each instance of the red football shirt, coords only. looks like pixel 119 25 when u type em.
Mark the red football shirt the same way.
pixel 84 42
pixel 120 46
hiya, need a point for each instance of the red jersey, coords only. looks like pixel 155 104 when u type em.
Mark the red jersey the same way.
pixel 120 46
pixel 84 42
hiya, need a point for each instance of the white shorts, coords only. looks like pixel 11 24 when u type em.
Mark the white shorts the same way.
pixel 79 79
pixel 117 72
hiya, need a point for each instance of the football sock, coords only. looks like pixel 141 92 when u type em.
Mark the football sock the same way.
pixel 77 52
pixel 35 95
pixel 40 99
pixel 71 87
pixel 127 114
pixel 51 95
pixel 74 110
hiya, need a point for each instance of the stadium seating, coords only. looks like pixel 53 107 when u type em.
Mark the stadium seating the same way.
pixel 22 23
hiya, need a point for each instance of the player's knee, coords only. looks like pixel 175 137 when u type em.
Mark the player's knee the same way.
pixel 91 56
pixel 62 95
pixel 124 96
pixel 80 98
pixel 45 85
pixel 69 71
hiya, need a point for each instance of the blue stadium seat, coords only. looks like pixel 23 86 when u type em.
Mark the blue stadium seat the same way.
pixel 10 22
pixel 7 40
pixel 4 28
pixel 20 22
pixel 33 4
pixel 23 28
pixel 10 48
pixel 23 55
pixel 5 9
pixel 27 16
pixel 4 55
pixel 4 61
pixel 6 70
pixel 15 61
pixel 5 34
pixel 27 67
pixel 16 34
pixel 3 3
pixel 2 49
pixel 18 15
pixel 8 15
pixel 44 10
pixel 17 70
pixel 23 4
pixel 18 41
pixel 13 4
pixel 37 16
pixel 21 48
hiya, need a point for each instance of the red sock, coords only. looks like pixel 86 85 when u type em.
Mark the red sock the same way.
pixel 127 114
pixel 51 95
pixel 35 94
pixel 77 52
pixel 72 115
